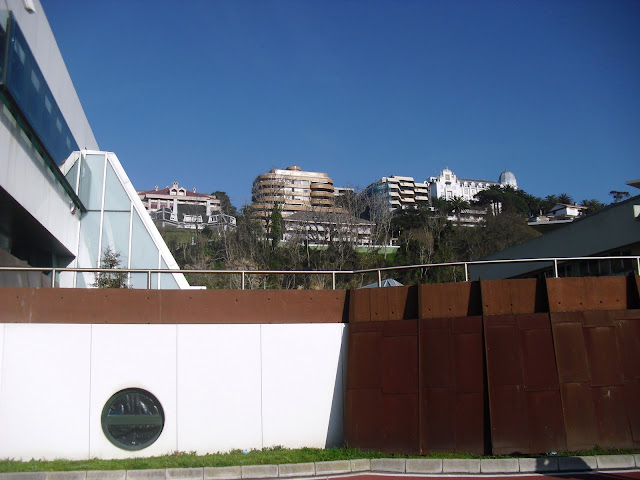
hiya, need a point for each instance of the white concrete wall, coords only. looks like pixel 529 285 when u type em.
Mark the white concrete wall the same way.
pixel 222 387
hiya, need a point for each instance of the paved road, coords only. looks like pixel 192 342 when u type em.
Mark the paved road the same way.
pixel 612 475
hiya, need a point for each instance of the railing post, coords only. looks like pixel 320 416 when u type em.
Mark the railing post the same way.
pixel 555 267
pixel 53 277
pixel 379 278
pixel 638 262
pixel 333 279
pixel 466 272
pixel 148 279
pixel 242 279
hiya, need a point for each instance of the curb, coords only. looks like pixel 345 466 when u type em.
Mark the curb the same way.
pixel 409 466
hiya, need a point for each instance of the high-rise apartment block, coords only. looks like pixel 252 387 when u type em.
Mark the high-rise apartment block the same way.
pixel 399 193
pixel 293 189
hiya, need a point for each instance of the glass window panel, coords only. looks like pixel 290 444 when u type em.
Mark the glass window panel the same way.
pixel 144 253
pixel 72 175
pixel 115 235
pixel 91 173
pixel 115 196
pixel 167 280
pixel 88 247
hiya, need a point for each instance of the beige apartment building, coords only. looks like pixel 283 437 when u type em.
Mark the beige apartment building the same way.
pixel 294 190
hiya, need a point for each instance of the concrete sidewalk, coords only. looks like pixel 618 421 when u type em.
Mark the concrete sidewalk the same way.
pixel 397 466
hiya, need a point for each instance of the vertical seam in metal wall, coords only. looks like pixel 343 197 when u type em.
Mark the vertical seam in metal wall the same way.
pixel 104 185
pixel 261 395
pixel 90 383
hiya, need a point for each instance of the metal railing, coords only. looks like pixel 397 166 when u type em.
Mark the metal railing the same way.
pixel 243 273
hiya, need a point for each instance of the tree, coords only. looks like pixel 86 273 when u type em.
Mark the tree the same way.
pixel 225 203
pixel 565 198
pixel 276 225
pixel 458 204
pixel 110 260
pixel 618 196
pixel 592 205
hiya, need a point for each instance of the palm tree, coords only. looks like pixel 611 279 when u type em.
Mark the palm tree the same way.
pixel 457 205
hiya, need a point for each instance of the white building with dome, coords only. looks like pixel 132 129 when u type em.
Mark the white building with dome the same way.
pixel 449 186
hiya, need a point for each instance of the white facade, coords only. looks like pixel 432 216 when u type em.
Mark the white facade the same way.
pixel 399 192
pixel 448 186
pixel 62 216
pixel 222 387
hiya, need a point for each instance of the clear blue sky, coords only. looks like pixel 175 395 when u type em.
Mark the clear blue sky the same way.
pixel 212 93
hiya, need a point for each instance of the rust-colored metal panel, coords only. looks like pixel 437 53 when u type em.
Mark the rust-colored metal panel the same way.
pixel 402 302
pixel 359 305
pixel 571 352
pixel 362 414
pixel 509 426
pixel 379 304
pixel 438 420
pixel 604 361
pixel 545 421
pixel 503 355
pixel 540 371
pixel 579 416
pixel 447 300
pixel 575 294
pixel 452 385
pixel 518 296
pixel 400 366
pixel 632 401
pixel 436 361
pixel 629 341
pixel 614 429
pixel 364 368
pixel 468 362
pixel 400 423
pixel 470 422
pixel 16 304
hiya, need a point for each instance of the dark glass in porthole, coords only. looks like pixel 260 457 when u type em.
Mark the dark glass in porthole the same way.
pixel 132 419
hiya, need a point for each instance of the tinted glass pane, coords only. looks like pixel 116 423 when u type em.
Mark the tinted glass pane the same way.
pixel 144 253
pixel 91 175
pixel 132 419
pixel 88 247
pixel 115 196
pixel 72 176
pixel 115 235
pixel 167 281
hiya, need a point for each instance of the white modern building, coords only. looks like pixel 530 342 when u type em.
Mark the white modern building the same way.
pixel 60 208
pixel 399 192
pixel 448 185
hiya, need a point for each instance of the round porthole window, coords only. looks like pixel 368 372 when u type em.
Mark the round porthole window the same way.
pixel 132 419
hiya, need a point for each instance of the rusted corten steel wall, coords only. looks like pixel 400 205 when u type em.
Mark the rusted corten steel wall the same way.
pixel 524 395
pixel 504 366
pixel 452 375
pixel 61 305
pixel 596 333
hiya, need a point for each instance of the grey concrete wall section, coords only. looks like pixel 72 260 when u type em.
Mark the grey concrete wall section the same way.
pixel 393 465
pixel 66 475
pixel 106 475
pixel 185 473
pixel 424 465
pixel 222 473
pixel 532 465
pixel 455 465
pixel 499 465
pixel 259 471
pixel 576 464
pixel 360 465
pixel 297 470
pixel 614 462
pixel 333 467
pixel 157 474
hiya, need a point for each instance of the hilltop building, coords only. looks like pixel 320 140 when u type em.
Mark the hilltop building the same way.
pixel 322 228
pixel 294 190
pixel 448 186
pixel 178 207
pixel 399 193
